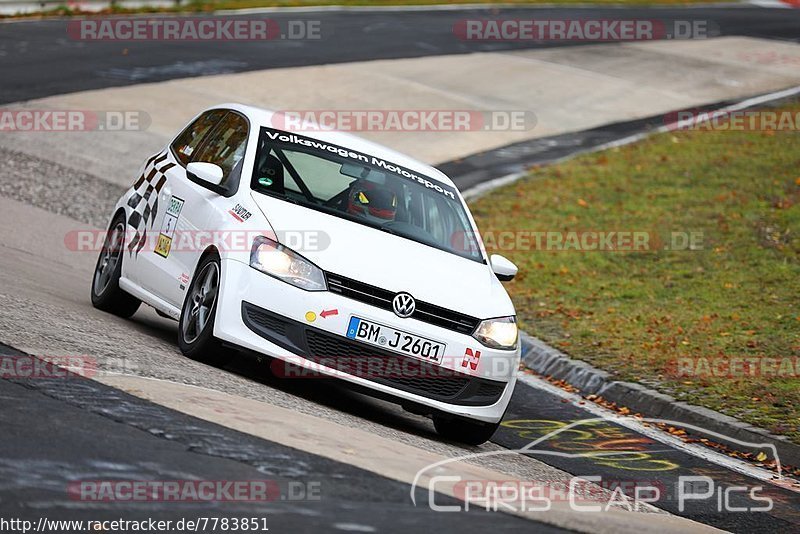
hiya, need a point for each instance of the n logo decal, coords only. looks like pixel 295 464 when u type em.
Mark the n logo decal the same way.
pixel 472 359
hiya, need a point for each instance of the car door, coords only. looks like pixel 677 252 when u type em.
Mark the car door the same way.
pixel 152 192
pixel 217 137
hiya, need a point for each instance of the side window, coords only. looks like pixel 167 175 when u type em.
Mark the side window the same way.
pixel 186 143
pixel 225 146
pixel 439 217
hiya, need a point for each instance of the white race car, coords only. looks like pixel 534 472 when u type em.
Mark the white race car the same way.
pixel 331 255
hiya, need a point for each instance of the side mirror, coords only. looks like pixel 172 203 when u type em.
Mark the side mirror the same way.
pixel 503 268
pixel 207 172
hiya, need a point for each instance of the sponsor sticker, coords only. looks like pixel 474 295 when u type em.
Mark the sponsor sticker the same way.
pixel 164 243
pixel 471 358
pixel 183 279
pixel 240 213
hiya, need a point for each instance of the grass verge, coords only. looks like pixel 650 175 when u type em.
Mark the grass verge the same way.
pixel 681 319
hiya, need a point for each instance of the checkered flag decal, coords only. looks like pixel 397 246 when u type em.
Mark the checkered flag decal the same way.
pixel 144 199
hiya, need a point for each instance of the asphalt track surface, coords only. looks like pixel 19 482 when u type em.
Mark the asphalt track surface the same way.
pixel 143 441
pixel 84 429
pixel 40 59
pixel 643 462
pixel 89 431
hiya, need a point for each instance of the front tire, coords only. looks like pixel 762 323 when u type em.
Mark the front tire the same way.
pixel 196 325
pixel 464 430
pixel 106 293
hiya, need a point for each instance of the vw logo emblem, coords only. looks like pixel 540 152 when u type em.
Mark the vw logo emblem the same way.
pixel 403 305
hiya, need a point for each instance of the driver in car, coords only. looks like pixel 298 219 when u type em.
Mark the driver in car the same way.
pixel 372 201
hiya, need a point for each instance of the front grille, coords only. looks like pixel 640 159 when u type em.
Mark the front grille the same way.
pixel 490 389
pixel 416 376
pixel 382 298
pixel 358 359
pixel 267 321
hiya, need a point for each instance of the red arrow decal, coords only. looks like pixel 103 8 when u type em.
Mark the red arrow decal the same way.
pixel 326 313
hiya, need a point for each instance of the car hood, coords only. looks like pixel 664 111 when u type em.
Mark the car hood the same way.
pixel 387 261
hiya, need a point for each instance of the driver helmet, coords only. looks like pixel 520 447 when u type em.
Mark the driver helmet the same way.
pixel 372 201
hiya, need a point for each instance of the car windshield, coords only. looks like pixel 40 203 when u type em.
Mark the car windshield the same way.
pixel 364 189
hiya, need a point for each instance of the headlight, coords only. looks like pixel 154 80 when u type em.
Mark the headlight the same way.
pixel 276 260
pixel 500 333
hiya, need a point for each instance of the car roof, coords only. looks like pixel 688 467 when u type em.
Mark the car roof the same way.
pixel 263 118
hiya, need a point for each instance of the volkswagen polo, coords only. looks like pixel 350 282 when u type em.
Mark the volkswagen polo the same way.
pixel 325 252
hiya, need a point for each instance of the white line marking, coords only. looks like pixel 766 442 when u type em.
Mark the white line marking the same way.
pixel 632 423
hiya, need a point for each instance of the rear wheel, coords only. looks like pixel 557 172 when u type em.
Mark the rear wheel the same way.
pixel 464 430
pixel 196 326
pixel 106 293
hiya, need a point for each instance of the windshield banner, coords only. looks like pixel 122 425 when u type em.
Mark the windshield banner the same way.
pixel 323 147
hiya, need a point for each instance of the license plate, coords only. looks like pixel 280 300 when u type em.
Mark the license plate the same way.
pixel 389 338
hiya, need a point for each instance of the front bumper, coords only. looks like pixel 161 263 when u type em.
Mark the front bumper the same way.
pixel 265 315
